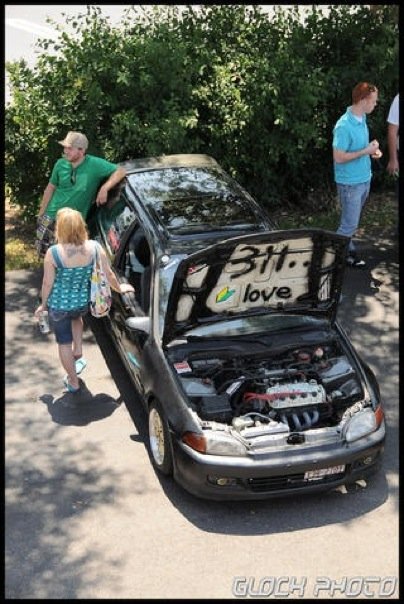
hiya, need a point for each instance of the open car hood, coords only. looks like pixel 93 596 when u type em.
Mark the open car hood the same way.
pixel 297 271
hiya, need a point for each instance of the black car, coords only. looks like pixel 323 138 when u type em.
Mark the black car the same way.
pixel 251 386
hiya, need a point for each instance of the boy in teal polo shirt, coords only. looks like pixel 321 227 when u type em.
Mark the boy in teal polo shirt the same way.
pixel 352 167
pixel 75 183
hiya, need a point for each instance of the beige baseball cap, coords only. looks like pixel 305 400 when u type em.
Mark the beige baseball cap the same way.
pixel 75 139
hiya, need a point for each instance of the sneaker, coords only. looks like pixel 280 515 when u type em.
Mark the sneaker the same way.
pixel 355 262
pixel 69 387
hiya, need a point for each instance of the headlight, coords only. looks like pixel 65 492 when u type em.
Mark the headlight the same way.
pixel 214 443
pixel 359 425
pixel 221 443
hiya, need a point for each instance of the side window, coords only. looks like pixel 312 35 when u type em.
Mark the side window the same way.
pixel 115 217
pixel 137 269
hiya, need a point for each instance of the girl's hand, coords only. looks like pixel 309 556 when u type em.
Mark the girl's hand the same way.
pixel 125 288
pixel 38 311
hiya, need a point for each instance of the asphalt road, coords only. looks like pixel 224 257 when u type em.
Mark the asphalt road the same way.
pixel 88 518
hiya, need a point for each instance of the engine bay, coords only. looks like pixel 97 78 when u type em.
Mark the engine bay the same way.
pixel 293 390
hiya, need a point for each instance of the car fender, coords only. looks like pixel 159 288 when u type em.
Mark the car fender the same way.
pixel 162 384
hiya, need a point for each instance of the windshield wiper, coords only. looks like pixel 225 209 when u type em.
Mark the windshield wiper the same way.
pixel 236 339
pixel 200 227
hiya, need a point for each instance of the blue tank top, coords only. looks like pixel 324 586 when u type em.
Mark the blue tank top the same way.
pixel 71 288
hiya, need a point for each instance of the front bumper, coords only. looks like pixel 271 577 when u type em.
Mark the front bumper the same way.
pixel 280 473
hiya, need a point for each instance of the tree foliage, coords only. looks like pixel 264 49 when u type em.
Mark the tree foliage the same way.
pixel 259 92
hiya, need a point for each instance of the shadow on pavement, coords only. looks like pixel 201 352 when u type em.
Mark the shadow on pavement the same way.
pixel 126 388
pixel 92 409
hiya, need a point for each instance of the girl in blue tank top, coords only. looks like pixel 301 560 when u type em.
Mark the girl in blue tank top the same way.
pixel 66 289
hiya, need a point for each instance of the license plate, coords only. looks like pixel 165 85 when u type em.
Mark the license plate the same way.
pixel 321 472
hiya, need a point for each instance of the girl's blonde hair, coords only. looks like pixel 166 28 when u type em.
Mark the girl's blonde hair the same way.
pixel 70 227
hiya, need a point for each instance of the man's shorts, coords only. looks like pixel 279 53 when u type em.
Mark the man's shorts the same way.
pixel 61 323
pixel 45 234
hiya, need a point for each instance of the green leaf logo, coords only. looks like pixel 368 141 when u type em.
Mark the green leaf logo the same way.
pixel 224 294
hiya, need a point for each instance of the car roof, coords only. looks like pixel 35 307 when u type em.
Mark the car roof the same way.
pixel 168 161
pixel 189 197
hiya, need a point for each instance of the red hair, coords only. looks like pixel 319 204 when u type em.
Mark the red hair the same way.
pixel 361 91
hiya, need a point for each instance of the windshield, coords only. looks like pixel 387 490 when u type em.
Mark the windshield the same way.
pixel 241 326
pixel 191 199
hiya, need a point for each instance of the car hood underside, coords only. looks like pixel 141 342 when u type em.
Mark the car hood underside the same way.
pixel 297 271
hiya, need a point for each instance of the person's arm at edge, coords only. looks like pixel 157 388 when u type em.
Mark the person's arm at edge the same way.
pixel 392 132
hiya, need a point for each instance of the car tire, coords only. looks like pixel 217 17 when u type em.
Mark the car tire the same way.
pixel 160 440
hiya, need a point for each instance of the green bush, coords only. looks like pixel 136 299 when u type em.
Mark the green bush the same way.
pixel 261 94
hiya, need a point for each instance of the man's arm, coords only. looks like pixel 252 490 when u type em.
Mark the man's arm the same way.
pixel 342 157
pixel 392 133
pixel 113 180
pixel 47 196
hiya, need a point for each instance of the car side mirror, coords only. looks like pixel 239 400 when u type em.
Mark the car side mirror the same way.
pixel 140 324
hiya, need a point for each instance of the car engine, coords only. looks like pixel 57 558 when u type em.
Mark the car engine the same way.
pixel 294 390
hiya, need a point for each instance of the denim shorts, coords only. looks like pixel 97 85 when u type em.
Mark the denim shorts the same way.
pixel 61 323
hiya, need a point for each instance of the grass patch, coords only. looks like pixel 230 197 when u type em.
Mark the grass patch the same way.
pixel 380 213
pixel 20 251
pixel 19 255
pixel 322 220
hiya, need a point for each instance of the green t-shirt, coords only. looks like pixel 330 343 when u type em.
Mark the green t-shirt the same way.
pixel 77 188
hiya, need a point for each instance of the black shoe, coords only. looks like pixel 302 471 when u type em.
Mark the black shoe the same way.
pixel 355 262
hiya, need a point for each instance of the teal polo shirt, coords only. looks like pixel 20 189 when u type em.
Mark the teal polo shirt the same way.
pixel 351 134
pixel 77 188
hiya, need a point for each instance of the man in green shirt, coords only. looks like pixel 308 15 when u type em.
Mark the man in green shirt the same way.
pixel 75 182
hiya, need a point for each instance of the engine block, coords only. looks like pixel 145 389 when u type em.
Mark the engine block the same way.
pixel 297 394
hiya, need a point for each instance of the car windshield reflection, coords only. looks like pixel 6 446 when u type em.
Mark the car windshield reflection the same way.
pixel 270 323
pixel 189 199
